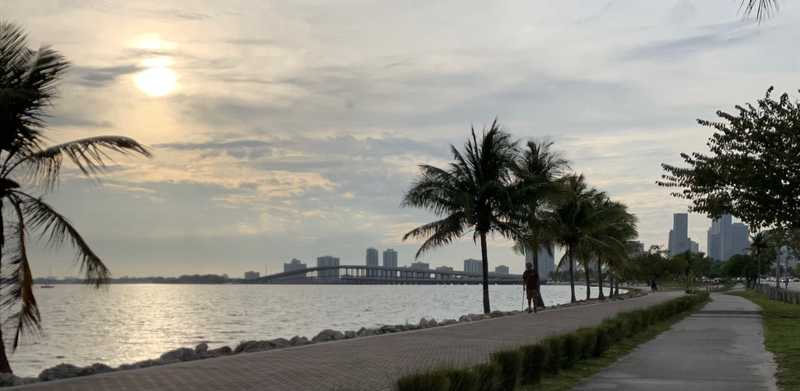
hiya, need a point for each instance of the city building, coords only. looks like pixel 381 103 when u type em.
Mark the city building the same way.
pixel 294 265
pixel 502 269
pixel 420 266
pixel 326 261
pixel 726 238
pixel 372 257
pixel 390 258
pixel 251 275
pixel 679 241
pixel 472 266
pixel 444 269
pixel 546 261
pixel 635 248
pixel 694 247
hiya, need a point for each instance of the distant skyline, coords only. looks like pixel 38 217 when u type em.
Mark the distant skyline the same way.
pixel 291 129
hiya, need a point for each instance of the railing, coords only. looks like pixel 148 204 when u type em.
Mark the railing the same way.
pixel 362 274
pixel 784 295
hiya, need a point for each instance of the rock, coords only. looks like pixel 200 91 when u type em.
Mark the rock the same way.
pixel 433 323
pixel 201 348
pixel 60 371
pixel 179 354
pixel 279 343
pixel 222 351
pixel 388 329
pixel 95 369
pixel 464 318
pixel 349 334
pixel 496 314
pixel 328 335
pixel 447 322
pixel 364 332
pixel 299 341
pixel 253 346
pixel 9 379
pixel 423 323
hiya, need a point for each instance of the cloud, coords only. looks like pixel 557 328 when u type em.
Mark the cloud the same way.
pixel 719 37
pixel 102 76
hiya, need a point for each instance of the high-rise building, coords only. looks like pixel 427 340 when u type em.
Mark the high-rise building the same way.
pixel 251 275
pixel 372 257
pixel 679 234
pixel 326 261
pixel 726 239
pixel 546 261
pixel 635 248
pixel 390 258
pixel 293 265
pixel 444 269
pixel 421 266
pixel 502 269
pixel 473 266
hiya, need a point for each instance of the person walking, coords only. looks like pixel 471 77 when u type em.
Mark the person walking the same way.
pixel 530 279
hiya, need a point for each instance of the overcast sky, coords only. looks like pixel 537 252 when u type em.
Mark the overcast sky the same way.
pixel 292 129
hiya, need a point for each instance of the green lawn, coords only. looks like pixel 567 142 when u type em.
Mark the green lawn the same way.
pixel 569 378
pixel 782 335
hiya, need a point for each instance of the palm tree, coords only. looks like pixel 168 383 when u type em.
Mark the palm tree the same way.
pixel 573 218
pixel 27 86
pixel 536 190
pixel 473 193
pixel 758 246
pixel 762 8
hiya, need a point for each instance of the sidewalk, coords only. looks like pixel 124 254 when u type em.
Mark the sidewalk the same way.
pixel 721 347
pixel 367 363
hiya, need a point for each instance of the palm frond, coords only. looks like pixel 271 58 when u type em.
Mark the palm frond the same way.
pixel 762 8
pixel 90 155
pixel 438 233
pixel 20 284
pixel 55 229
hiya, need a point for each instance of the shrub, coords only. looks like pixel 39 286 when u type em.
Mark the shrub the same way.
pixel 555 351
pixel 431 381
pixel 571 346
pixel 602 343
pixel 461 379
pixel 586 342
pixel 510 363
pixel 488 377
pixel 534 361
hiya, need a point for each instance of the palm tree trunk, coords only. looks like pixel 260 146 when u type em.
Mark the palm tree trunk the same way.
pixel 485 258
pixel 571 276
pixel 5 367
pixel 600 295
pixel 610 285
pixel 538 295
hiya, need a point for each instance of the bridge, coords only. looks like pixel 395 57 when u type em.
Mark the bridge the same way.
pixel 363 274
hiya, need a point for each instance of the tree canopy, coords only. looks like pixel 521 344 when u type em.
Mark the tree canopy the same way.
pixel 753 168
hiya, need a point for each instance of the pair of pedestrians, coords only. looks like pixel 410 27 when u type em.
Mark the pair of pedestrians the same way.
pixel 531 285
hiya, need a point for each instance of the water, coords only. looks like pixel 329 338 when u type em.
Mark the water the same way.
pixel 128 323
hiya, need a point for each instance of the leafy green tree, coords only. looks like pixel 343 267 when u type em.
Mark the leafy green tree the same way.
pixel 28 80
pixel 473 193
pixel 652 265
pixel 536 190
pixel 742 266
pixel 689 265
pixel 752 170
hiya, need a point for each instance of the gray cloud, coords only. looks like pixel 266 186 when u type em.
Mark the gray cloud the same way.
pixel 102 76
pixel 720 36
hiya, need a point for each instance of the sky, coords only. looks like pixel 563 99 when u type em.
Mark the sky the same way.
pixel 292 129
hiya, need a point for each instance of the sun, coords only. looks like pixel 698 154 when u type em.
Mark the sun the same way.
pixel 157 78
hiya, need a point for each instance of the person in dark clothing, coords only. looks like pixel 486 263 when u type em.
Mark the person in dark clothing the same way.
pixel 530 279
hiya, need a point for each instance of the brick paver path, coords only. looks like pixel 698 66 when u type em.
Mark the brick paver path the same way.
pixel 367 363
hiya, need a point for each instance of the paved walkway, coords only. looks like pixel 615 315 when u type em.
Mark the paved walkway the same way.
pixel 367 363
pixel 721 347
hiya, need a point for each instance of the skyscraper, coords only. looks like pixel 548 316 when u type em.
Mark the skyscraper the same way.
pixel 389 258
pixel 372 257
pixel 325 261
pixel 472 266
pixel 546 261
pixel 679 235
pixel 502 269
pixel 726 239
pixel 294 264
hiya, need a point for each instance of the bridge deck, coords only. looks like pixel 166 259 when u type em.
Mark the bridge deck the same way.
pixel 368 363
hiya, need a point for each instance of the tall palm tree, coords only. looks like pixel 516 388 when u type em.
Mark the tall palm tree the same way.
pixel 759 243
pixel 27 86
pixel 536 190
pixel 762 8
pixel 574 218
pixel 473 193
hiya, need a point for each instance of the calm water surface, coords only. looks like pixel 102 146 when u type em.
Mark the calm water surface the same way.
pixel 128 323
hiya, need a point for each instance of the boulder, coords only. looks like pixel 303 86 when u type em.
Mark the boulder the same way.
pixel 60 371
pixel 464 318
pixel 279 343
pixel 299 341
pixel 94 369
pixel 496 314
pixel 447 322
pixel 328 335
pixel 364 332
pixel 201 349
pixel 349 334
pixel 388 329
pixel 432 323
pixel 221 351
pixel 423 323
pixel 253 346
pixel 179 354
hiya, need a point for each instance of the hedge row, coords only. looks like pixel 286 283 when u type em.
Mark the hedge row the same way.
pixel 526 365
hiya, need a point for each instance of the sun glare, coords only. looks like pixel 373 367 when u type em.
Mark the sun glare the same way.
pixel 157 78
